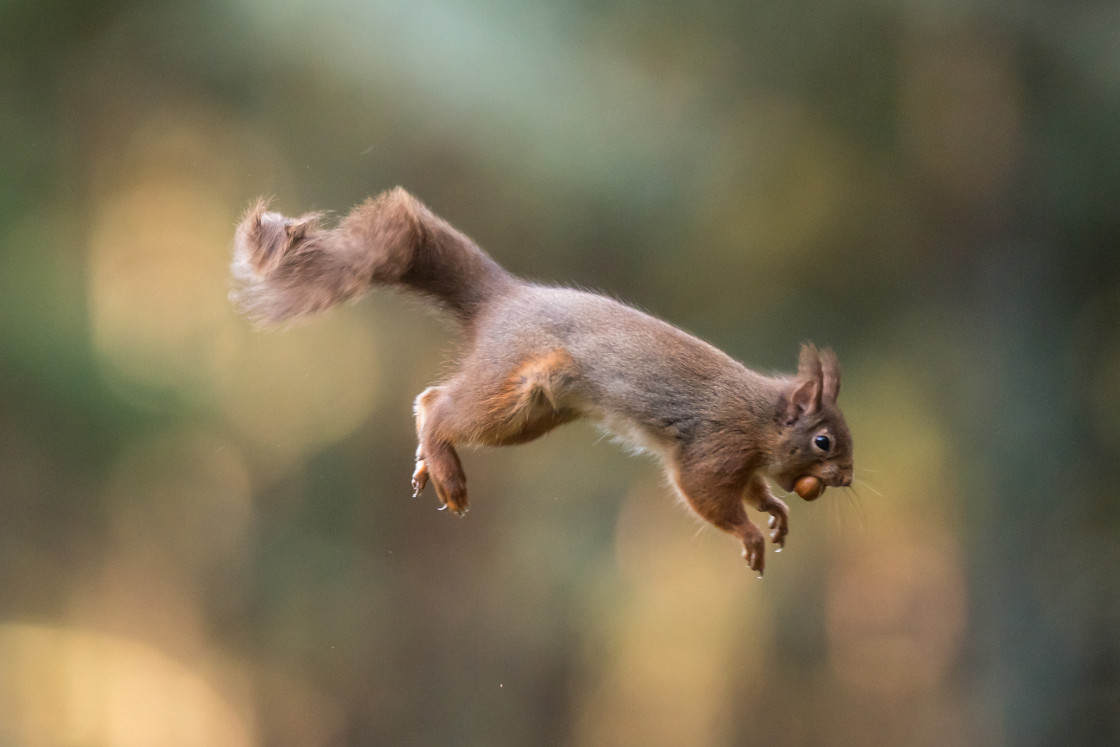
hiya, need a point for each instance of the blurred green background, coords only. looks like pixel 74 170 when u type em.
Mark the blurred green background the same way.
pixel 206 532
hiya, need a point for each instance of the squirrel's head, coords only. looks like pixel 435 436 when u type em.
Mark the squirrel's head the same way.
pixel 814 447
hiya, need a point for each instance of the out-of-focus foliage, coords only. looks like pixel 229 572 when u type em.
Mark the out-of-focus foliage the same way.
pixel 206 534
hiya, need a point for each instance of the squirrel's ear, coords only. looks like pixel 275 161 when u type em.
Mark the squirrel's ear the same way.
pixel 830 370
pixel 805 392
pixel 804 396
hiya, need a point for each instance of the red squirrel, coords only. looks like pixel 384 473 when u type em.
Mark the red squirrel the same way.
pixel 536 357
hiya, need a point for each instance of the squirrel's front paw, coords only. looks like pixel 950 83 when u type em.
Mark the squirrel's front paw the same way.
pixel 754 549
pixel 779 521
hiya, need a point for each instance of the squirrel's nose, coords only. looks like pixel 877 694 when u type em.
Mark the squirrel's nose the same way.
pixel 845 479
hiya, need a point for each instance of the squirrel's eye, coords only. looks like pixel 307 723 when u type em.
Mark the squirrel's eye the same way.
pixel 823 443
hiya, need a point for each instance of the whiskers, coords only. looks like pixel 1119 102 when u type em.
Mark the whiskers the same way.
pixel 851 512
pixel 851 508
pixel 868 485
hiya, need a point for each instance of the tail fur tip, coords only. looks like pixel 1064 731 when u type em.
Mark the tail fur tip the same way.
pixel 259 241
pixel 267 246
pixel 260 236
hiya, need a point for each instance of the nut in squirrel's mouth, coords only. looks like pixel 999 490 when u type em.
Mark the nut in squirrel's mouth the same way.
pixel 809 487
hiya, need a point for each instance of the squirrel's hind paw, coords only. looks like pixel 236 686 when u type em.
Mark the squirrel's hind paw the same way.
pixel 419 478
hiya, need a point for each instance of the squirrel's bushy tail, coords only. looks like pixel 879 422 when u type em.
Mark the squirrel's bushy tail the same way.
pixel 288 267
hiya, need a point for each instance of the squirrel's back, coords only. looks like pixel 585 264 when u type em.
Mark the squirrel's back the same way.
pixel 631 366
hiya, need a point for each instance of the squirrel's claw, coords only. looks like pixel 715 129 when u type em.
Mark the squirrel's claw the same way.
pixel 457 510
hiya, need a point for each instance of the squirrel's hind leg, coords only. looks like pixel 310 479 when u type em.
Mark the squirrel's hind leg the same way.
pixel 480 408
pixel 525 403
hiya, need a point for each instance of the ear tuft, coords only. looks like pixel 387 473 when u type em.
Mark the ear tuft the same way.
pixel 830 369
pixel 809 362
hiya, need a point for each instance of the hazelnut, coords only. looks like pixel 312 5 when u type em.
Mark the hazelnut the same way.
pixel 808 487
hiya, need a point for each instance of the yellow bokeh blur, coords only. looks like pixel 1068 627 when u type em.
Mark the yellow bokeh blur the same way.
pixel 72 686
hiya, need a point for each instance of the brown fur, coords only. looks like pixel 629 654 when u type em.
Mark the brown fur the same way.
pixel 289 267
pixel 537 357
